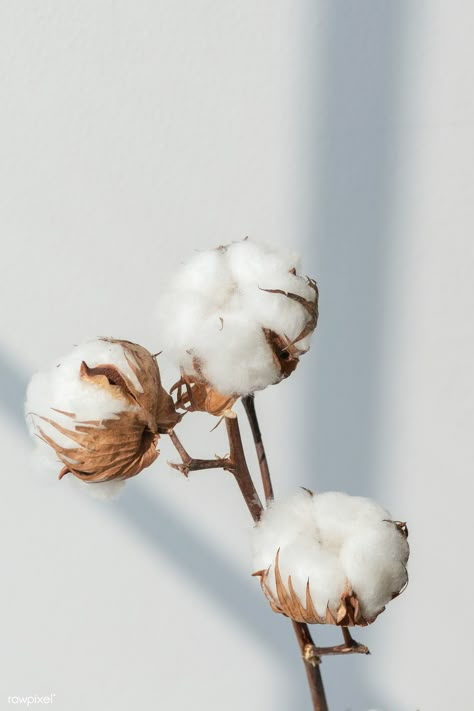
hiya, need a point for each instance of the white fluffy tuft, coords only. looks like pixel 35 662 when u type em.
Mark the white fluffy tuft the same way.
pixel 216 309
pixel 334 541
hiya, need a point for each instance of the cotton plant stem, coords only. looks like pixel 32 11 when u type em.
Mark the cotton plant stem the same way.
pixel 234 463
pixel 248 402
pixel 302 632
pixel 311 663
pixel 240 469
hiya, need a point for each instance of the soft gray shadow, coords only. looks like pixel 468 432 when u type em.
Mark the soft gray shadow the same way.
pixel 349 242
pixel 13 384
pixel 185 547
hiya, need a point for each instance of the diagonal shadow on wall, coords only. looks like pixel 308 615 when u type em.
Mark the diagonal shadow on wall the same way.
pixel 184 546
pixel 356 48
pixel 356 52
pixel 13 384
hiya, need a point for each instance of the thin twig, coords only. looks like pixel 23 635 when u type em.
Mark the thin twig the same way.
pixel 338 650
pixel 234 463
pixel 248 402
pixel 189 464
pixel 351 645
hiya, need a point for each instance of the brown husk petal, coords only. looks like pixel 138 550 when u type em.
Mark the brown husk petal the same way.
pixel 287 602
pixel 195 394
pixel 125 444
pixel 285 352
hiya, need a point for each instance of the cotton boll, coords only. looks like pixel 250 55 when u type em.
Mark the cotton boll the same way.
pixel 354 558
pixel 374 560
pixel 225 331
pixel 100 410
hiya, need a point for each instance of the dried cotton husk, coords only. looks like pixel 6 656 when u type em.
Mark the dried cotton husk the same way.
pixel 121 445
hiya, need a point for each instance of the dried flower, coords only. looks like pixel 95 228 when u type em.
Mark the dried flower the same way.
pixel 331 558
pixel 101 410
pixel 236 319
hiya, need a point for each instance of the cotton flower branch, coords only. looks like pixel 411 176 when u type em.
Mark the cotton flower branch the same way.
pixel 235 319
pixel 310 653
pixel 236 464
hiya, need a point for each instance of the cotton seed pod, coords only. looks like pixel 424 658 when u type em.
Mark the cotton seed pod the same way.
pixel 344 558
pixel 101 410
pixel 237 319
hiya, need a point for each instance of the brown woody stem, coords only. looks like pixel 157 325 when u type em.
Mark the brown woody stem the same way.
pixel 308 649
pixel 234 463
pixel 311 662
pixel 350 646
pixel 189 464
pixel 248 402
pixel 238 467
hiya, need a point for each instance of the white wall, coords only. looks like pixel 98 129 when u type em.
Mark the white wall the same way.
pixel 133 133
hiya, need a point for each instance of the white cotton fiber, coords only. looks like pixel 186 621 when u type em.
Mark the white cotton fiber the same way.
pixel 340 543
pixel 216 312
pixel 374 559
pixel 284 521
pixel 62 388
pixel 304 562
pixel 340 515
